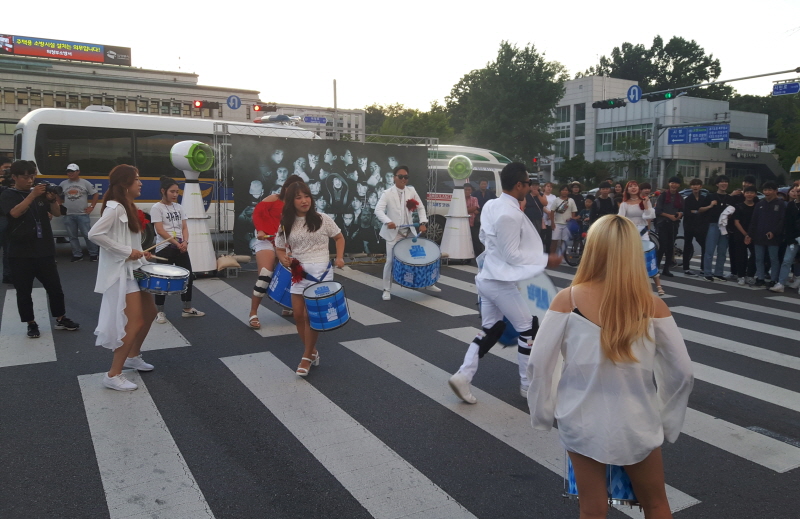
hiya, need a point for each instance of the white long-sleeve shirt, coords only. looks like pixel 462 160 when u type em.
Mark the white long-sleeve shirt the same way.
pixel 613 413
pixel 391 208
pixel 514 250
pixel 116 243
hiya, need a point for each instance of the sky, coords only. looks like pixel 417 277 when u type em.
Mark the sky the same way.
pixel 410 52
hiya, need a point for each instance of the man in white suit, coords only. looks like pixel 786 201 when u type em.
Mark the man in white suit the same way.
pixel 514 253
pixel 392 211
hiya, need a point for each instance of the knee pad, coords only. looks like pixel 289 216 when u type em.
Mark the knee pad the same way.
pixel 264 277
pixel 526 338
pixel 490 338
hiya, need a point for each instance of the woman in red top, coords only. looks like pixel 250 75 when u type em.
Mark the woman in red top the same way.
pixel 266 220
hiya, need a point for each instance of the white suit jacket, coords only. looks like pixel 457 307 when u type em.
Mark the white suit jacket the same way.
pixel 514 250
pixel 392 207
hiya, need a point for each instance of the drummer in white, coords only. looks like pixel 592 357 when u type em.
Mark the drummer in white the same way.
pixel 394 209
pixel 514 253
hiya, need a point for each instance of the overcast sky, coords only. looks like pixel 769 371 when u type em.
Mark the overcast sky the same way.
pixel 411 52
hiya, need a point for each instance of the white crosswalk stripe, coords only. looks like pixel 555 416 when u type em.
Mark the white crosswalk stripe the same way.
pixel 746 350
pixel 762 309
pixel 16 349
pixel 735 321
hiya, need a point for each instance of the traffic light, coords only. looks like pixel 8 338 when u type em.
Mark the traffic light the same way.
pixel 609 103
pixel 535 161
pixel 263 107
pixel 211 105
pixel 199 104
pixel 663 96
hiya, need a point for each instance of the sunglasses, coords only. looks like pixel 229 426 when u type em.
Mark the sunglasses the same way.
pixel 402 177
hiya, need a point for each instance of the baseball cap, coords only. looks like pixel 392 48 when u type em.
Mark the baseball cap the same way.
pixel 73 167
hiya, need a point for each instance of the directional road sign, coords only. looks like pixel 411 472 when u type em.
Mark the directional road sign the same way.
pixel 312 119
pixel 699 134
pixel 635 94
pixel 234 102
pixel 782 89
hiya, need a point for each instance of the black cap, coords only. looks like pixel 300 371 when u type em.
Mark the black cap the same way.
pixel 677 180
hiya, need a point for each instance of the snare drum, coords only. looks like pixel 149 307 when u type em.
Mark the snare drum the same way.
pixel 538 292
pixel 416 263
pixel 280 285
pixel 650 260
pixel 156 278
pixel 326 306
pixel 618 485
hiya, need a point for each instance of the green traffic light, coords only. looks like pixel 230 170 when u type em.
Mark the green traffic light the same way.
pixel 668 95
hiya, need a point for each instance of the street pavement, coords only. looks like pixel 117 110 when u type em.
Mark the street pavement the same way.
pixel 224 428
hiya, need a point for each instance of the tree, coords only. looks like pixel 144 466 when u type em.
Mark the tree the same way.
pixel 396 119
pixel 679 63
pixel 508 105
pixel 585 172
pixel 633 151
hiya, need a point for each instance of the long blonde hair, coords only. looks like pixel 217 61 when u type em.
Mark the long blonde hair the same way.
pixel 614 257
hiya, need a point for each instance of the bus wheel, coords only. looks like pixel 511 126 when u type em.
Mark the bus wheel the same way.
pixel 148 236
pixel 436 229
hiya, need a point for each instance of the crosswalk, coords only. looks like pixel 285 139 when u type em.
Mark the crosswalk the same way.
pixel 362 420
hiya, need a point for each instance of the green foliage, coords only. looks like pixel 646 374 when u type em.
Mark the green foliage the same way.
pixel 396 119
pixel 633 152
pixel 784 122
pixel 679 63
pixel 508 105
pixel 585 172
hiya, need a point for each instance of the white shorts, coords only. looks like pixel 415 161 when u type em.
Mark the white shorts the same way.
pixel 131 286
pixel 561 232
pixel 316 270
pixel 260 245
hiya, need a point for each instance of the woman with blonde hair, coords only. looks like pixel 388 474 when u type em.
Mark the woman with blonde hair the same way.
pixel 626 377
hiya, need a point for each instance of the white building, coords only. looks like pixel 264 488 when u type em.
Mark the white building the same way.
pixel 328 122
pixel 594 132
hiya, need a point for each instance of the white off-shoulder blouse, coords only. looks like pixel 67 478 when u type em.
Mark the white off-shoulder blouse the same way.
pixel 613 413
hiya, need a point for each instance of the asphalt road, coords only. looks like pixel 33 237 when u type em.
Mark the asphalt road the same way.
pixel 223 428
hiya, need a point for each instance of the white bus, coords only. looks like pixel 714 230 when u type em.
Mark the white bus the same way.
pixel 97 139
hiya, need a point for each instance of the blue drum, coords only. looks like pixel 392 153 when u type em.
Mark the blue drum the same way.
pixel 280 285
pixel 650 261
pixel 416 263
pixel 326 306
pixel 618 484
pixel 161 279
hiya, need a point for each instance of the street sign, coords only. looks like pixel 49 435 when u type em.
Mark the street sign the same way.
pixel 315 120
pixel 635 94
pixel 234 102
pixel 782 89
pixel 699 134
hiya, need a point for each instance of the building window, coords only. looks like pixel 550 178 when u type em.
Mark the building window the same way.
pixel 61 100
pixel 562 149
pixel 176 109
pixel 154 107
pixel 36 99
pixel 580 146
pixel 142 106
pixel 73 101
pixel 580 129
pixel 22 98
pixel 561 132
pixel 86 101
pixel 688 168
pixel 48 100
pixel 607 137
pixel 121 105
pixel 165 107
pixel 186 110
pixel 580 112
pixel 562 114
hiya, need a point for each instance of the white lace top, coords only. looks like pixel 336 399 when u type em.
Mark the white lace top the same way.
pixel 307 246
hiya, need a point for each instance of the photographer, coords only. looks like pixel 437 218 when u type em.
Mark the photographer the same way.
pixel 5 183
pixel 30 244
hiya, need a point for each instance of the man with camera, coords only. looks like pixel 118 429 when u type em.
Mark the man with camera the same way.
pixel 31 249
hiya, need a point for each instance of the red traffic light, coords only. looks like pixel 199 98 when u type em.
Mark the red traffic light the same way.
pixel 535 160
pixel 198 104
pixel 258 108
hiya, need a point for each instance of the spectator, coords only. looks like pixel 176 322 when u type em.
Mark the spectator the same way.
pixel 32 250
pixel 563 210
pixel 745 266
pixel 535 206
pixel 584 215
pixel 484 194
pixel 575 189
pixel 473 209
pixel 618 193
pixel 5 182
pixel 547 222
pixel 695 225
pixel 603 204
pixel 76 221
pixel 765 232
pixel 669 211
pixel 791 233
pixel 715 240
pixel 737 197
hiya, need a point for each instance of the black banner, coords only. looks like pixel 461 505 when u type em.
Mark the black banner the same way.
pixel 346 180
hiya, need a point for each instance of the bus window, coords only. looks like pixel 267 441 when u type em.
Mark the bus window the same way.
pixel 153 148
pixel 444 184
pixel 95 150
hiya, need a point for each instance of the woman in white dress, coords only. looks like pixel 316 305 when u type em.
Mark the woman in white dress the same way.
pixel 640 211
pixel 306 234
pixel 126 313
pixel 626 376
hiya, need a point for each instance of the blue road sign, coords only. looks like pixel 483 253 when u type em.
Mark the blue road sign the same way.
pixel 635 94
pixel 234 102
pixel 317 120
pixel 783 89
pixel 699 134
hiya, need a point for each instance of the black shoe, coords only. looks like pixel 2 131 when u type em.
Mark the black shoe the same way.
pixel 770 284
pixel 65 323
pixel 689 273
pixel 93 258
pixel 721 278
pixel 75 258
pixel 759 283
pixel 668 274
pixel 708 278
pixel 33 331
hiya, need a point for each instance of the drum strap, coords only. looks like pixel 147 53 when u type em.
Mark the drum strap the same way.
pixel 315 280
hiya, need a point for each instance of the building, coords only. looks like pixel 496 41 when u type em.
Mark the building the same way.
pixel 598 134
pixel 340 124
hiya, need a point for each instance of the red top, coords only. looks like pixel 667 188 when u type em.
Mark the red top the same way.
pixel 267 217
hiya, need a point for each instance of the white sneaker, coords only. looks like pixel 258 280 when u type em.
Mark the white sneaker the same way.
pixel 137 363
pixel 460 386
pixel 386 295
pixel 777 288
pixel 523 391
pixel 751 281
pixel 433 288
pixel 742 282
pixel 192 313
pixel 794 284
pixel 119 383
pixel 161 318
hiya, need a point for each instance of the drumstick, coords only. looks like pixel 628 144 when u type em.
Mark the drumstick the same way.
pixel 158 258
pixel 156 245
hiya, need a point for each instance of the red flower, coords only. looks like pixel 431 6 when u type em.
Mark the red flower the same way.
pixel 143 221
pixel 412 204
pixel 298 274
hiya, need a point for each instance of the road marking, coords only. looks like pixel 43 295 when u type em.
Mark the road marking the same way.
pixel 164 336
pixel 762 309
pixel 383 482
pixel 465 268
pixel 16 349
pixel 747 386
pixel 784 299
pixel 503 421
pixel 237 304
pixel 735 321
pixel 739 348
pixel 457 283
pixel 690 288
pixel 729 437
pixel 415 296
pixel 368 316
pixel 143 472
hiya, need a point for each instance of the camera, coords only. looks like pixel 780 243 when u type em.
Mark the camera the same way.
pixel 51 188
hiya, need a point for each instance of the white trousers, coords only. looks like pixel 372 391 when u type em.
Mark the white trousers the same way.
pixel 498 299
pixel 387 267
